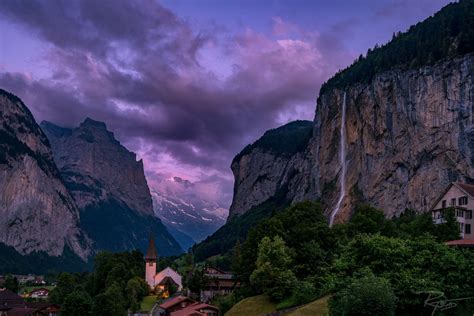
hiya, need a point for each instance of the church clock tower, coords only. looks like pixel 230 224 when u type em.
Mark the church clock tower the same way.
pixel 150 259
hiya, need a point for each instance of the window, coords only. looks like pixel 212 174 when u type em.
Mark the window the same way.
pixel 443 204
pixel 459 213
pixel 462 200
pixel 453 202
pixel 468 229
pixel 468 214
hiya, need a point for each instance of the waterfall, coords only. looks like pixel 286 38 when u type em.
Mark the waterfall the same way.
pixel 342 160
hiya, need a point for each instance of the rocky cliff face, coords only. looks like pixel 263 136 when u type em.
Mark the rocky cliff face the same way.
pixel 275 165
pixel 90 157
pixel 109 186
pixel 409 133
pixel 37 212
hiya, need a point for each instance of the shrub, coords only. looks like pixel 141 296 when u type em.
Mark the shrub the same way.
pixel 368 295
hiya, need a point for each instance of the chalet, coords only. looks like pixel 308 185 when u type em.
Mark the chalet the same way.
pixel 41 293
pixel 220 283
pixel 197 309
pixel 174 304
pixel 460 197
pixel 164 280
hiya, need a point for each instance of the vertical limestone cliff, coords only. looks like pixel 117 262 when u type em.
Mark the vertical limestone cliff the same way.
pixel 409 133
pixel 280 163
pixel 109 186
pixel 37 213
pixel 90 156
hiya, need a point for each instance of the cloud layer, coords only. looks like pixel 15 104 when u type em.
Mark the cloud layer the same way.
pixel 186 99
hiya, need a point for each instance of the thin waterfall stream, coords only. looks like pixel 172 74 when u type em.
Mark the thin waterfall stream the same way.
pixel 342 160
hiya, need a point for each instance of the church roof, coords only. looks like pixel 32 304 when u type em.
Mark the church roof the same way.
pixel 151 253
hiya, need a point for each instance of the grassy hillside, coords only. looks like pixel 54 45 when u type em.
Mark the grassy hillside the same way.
pixel 316 308
pixel 255 306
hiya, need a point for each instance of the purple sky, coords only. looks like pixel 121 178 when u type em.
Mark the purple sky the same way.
pixel 187 84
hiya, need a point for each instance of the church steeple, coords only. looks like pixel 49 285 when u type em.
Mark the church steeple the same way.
pixel 150 258
pixel 151 254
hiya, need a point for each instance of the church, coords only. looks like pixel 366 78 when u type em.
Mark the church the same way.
pixel 163 280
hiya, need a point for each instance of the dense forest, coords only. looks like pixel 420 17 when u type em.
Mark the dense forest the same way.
pixel 449 33
pixel 284 140
pixel 369 266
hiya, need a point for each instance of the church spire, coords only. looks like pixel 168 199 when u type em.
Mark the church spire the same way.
pixel 151 254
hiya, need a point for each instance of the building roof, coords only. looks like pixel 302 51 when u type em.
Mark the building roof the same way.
pixel 213 270
pixel 22 311
pixel 466 188
pixel 39 289
pixel 10 299
pixel 41 305
pixel 222 283
pixel 167 281
pixel 151 253
pixel 461 243
pixel 194 310
pixel 174 300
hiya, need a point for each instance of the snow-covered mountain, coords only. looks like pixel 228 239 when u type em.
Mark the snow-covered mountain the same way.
pixel 194 217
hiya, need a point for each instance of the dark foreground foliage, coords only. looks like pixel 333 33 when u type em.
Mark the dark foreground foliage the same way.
pixel 375 263
pixel 114 286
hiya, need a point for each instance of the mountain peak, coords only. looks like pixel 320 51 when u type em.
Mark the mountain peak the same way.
pixel 88 122
pixel 57 130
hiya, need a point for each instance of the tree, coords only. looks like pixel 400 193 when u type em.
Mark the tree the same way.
pixel 11 283
pixel 304 292
pixel 272 274
pixel 77 303
pixel 197 279
pixel 412 266
pixel 109 303
pixel 449 230
pixel 368 295
pixel 366 219
pixel 136 290
pixel 66 284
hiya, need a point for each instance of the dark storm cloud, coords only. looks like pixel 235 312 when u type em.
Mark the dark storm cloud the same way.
pixel 156 83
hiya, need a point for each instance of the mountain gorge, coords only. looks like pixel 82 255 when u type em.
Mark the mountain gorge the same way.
pixel 409 132
pixel 189 215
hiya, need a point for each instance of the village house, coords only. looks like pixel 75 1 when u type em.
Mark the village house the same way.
pixel 164 280
pixel 460 198
pixel 12 304
pixel 220 283
pixel 173 304
pixel 185 306
pixel 40 293
pixel 197 309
